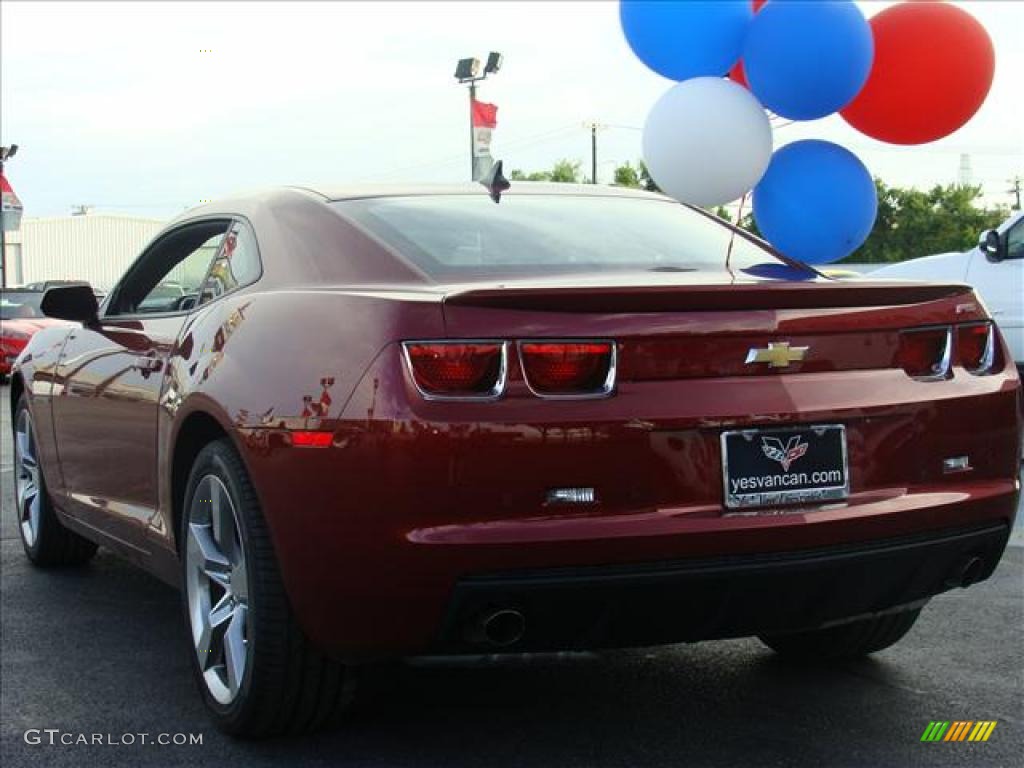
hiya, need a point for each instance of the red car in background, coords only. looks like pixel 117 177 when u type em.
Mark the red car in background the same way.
pixel 20 318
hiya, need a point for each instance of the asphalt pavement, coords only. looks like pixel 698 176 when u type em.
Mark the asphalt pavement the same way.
pixel 99 655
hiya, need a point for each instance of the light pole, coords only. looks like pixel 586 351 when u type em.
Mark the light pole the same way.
pixel 467 71
pixel 5 153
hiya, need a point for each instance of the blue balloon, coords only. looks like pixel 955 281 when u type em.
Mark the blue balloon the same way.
pixel 805 60
pixel 816 202
pixel 680 40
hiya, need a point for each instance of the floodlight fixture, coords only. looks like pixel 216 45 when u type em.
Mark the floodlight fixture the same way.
pixel 494 60
pixel 467 69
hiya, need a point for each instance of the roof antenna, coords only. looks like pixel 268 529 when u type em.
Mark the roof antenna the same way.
pixel 495 182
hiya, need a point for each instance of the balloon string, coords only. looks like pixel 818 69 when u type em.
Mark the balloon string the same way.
pixel 739 218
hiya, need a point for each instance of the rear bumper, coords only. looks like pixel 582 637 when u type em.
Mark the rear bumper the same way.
pixel 609 606
pixel 379 535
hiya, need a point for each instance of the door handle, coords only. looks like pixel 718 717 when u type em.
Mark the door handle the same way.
pixel 149 364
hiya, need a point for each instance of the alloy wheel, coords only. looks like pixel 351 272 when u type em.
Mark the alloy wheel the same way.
pixel 26 478
pixel 218 589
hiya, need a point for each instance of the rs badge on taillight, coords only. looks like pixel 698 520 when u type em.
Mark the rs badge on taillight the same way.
pixel 568 369
pixel 926 353
pixel 976 347
pixel 457 370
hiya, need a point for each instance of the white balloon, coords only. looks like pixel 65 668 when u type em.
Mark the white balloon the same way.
pixel 707 141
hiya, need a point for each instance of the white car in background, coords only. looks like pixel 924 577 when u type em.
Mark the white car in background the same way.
pixel 995 268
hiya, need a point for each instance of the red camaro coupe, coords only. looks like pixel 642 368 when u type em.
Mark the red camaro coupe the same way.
pixel 372 423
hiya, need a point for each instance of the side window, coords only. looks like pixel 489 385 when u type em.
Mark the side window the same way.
pixel 1015 241
pixel 237 263
pixel 168 277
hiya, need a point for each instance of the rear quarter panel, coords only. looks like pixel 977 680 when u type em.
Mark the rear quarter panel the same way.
pixel 262 364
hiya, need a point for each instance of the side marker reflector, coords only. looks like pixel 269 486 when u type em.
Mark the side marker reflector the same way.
pixel 311 439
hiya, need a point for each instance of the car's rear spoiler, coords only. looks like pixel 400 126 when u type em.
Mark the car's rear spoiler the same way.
pixel 689 298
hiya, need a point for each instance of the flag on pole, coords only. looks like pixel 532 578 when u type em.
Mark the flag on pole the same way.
pixel 11 205
pixel 485 120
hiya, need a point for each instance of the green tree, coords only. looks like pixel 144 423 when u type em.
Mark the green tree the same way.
pixel 627 176
pixel 913 222
pixel 518 175
pixel 747 222
pixel 722 212
pixel 567 171
pixel 563 171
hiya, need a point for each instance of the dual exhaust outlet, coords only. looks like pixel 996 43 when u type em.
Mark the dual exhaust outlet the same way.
pixel 966 572
pixel 502 627
pixel 497 627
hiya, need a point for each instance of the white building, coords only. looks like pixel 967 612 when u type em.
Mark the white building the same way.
pixel 92 247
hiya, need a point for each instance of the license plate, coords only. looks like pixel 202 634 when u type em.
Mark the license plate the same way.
pixel 768 467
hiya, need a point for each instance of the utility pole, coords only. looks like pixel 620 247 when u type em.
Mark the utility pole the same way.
pixel 1015 190
pixel 593 153
pixel 5 153
pixel 593 126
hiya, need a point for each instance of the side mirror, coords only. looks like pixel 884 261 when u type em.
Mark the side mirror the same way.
pixel 991 245
pixel 71 302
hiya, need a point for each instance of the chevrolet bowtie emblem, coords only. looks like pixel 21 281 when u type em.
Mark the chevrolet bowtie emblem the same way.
pixel 777 355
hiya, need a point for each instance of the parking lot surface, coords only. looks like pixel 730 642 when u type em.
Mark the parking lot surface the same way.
pixel 102 651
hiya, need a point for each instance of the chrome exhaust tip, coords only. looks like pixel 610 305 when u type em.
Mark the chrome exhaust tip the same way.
pixel 498 627
pixel 967 572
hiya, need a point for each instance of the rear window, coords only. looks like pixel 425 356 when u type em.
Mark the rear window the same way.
pixel 462 236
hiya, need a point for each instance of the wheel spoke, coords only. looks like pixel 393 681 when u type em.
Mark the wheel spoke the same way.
pixel 27 493
pixel 207 555
pixel 23 444
pixel 235 649
pixel 204 644
pixel 222 520
pixel 34 513
pixel 221 612
pixel 240 580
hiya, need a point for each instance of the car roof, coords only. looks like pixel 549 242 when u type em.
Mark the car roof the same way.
pixel 246 203
pixel 355 192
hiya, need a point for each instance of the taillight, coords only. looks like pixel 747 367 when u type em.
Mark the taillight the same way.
pixel 457 369
pixel 569 368
pixel 925 354
pixel 976 347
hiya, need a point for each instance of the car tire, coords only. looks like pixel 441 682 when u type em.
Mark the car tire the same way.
pixel 47 542
pixel 283 685
pixel 844 641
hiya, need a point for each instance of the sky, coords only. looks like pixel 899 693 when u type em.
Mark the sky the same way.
pixel 148 108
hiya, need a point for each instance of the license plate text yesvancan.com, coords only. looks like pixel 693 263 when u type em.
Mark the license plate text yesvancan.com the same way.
pixel 789 479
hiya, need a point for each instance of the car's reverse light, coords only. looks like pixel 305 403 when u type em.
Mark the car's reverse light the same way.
pixel 569 368
pixel 976 347
pixel 457 369
pixel 926 354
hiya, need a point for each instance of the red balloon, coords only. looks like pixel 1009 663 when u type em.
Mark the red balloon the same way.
pixel 737 73
pixel 933 69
